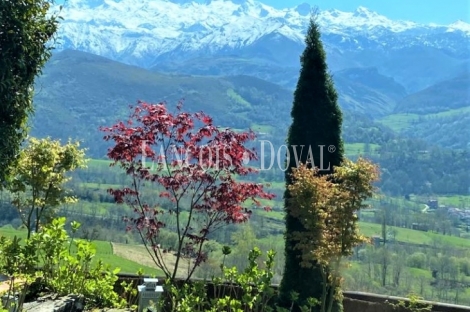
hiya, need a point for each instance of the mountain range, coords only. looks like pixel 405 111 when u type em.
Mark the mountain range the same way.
pixel 79 92
pixel 241 36
pixel 239 61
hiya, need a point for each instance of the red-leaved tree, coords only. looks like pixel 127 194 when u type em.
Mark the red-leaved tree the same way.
pixel 192 164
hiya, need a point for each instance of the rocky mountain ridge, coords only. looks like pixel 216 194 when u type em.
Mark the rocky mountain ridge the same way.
pixel 177 33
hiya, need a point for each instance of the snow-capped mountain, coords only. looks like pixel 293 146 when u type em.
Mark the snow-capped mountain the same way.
pixel 151 32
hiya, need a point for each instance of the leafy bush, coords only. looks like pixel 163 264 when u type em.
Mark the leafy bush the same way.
pixel 67 265
pixel 249 290
pixel 417 260
pixel 414 304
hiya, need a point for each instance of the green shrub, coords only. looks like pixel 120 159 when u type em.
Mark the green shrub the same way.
pixel 249 290
pixel 417 260
pixel 67 266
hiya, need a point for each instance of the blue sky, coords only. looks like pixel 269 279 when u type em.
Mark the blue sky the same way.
pixel 421 11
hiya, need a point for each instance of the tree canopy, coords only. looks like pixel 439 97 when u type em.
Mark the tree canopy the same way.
pixel 38 178
pixel 26 30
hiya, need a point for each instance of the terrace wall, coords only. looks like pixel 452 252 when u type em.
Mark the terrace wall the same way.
pixel 353 301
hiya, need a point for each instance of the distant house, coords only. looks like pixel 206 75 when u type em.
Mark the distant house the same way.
pixel 419 227
pixel 376 240
pixel 433 204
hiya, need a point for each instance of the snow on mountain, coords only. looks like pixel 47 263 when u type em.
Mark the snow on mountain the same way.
pixel 143 31
pixel 360 20
pixel 461 26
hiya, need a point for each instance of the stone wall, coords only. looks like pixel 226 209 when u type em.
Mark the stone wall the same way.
pixel 360 301
pixel 49 304
pixel 353 305
pixel 353 301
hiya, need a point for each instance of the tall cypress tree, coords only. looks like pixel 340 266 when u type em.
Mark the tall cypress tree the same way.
pixel 316 124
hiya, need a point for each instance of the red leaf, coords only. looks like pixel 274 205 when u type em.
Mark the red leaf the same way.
pixel 203 183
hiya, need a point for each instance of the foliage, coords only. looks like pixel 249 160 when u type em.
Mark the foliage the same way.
pixel 82 79
pixel 244 240
pixel 253 286
pixel 195 169
pixel 314 136
pixel 410 168
pixel 453 92
pixel 413 304
pixel 249 290
pixel 327 207
pixel 226 250
pixel 246 290
pixel 38 179
pixel 18 261
pixel 130 293
pixel 67 266
pixel 27 28
pixel 403 214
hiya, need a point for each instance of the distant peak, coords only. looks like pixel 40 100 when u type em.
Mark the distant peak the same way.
pixel 334 12
pixel 460 25
pixel 239 2
pixel 364 12
pixel 460 22
pixel 361 9
pixel 183 1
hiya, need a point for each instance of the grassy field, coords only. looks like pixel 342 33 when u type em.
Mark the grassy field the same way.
pixel 139 254
pixel 99 186
pixel 400 122
pixel 351 149
pixel 262 128
pixel 238 99
pixel 414 236
pixel 92 208
pixel 104 251
pixel 356 149
pixel 274 219
pixel 451 112
pixel 413 280
pixel 98 163
pixel 374 229
pixel 456 201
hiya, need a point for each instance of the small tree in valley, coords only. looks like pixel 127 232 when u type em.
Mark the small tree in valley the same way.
pixel 38 179
pixel 327 206
pixel 193 164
